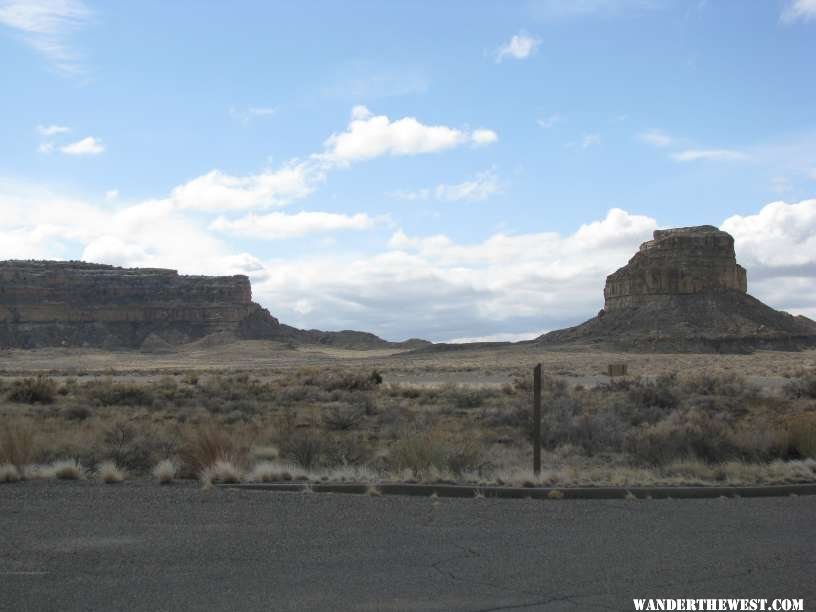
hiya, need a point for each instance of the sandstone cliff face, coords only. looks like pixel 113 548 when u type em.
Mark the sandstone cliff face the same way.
pixel 679 261
pixel 684 291
pixel 48 303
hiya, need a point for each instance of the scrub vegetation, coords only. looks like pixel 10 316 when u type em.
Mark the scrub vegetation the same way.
pixel 395 420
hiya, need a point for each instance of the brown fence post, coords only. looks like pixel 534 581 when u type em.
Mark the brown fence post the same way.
pixel 537 420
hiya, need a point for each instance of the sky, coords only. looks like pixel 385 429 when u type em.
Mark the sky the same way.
pixel 445 170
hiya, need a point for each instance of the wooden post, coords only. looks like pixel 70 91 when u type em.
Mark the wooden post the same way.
pixel 537 420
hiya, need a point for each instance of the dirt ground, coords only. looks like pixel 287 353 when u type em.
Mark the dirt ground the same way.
pixel 471 367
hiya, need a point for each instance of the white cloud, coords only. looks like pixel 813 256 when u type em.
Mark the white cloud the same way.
pixel 274 226
pixel 217 190
pixel 442 289
pixel 799 10
pixel 483 137
pixel 111 195
pixel 46 147
pixel 86 146
pixel 778 247
pixel 52 130
pixel 656 138
pixel 690 155
pixel 46 26
pixel 368 136
pixel 481 187
pixel 520 46
pixel 550 121
pixel 501 337
pixel 431 286
pixel 484 185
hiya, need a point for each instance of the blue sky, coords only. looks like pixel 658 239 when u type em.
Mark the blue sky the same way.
pixel 443 170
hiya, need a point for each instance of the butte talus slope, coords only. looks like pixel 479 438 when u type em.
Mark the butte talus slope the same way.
pixel 685 291
pixel 68 303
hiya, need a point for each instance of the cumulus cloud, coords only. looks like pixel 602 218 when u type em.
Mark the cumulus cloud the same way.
pixel 416 285
pixel 274 226
pixel 218 191
pixel 691 155
pixel 52 130
pixel 46 25
pixel 442 289
pixel 799 10
pixel 86 146
pixel 778 247
pixel 368 136
pixel 656 138
pixel 38 223
pixel 520 46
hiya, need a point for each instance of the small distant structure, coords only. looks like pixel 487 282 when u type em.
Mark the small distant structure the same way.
pixel 617 369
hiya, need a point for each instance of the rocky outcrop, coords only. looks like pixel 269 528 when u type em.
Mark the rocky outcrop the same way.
pixel 50 303
pixel 681 261
pixel 685 291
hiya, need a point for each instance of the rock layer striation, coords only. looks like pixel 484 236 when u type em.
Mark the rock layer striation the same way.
pixel 685 291
pixel 681 261
pixel 49 303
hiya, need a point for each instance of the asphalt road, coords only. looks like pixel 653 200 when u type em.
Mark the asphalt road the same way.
pixel 139 546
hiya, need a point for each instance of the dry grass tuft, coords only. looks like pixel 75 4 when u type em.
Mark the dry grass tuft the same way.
pixel 108 472
pixel 373 491
pixel 555 494
pixel 206 446
pixel 222 471
pixel 165 471
pixel 69 469
pixel 39 472
pixel 9 473
pixel 17 443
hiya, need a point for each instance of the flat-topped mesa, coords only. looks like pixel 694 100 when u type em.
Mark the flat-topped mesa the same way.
pixel 680 261
pixel 44 303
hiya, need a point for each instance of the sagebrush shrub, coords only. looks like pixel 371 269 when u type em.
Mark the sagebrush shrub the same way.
pixel 39 390
pixel 682 436
pixel 304 448
pixel 803 387
pixel 340 416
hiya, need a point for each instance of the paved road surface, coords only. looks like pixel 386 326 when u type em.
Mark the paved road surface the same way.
pixel 139 546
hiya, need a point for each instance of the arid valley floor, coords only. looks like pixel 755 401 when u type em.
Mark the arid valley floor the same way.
pixel 264 411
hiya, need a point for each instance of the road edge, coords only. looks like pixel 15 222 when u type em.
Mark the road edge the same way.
pixel 470 491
